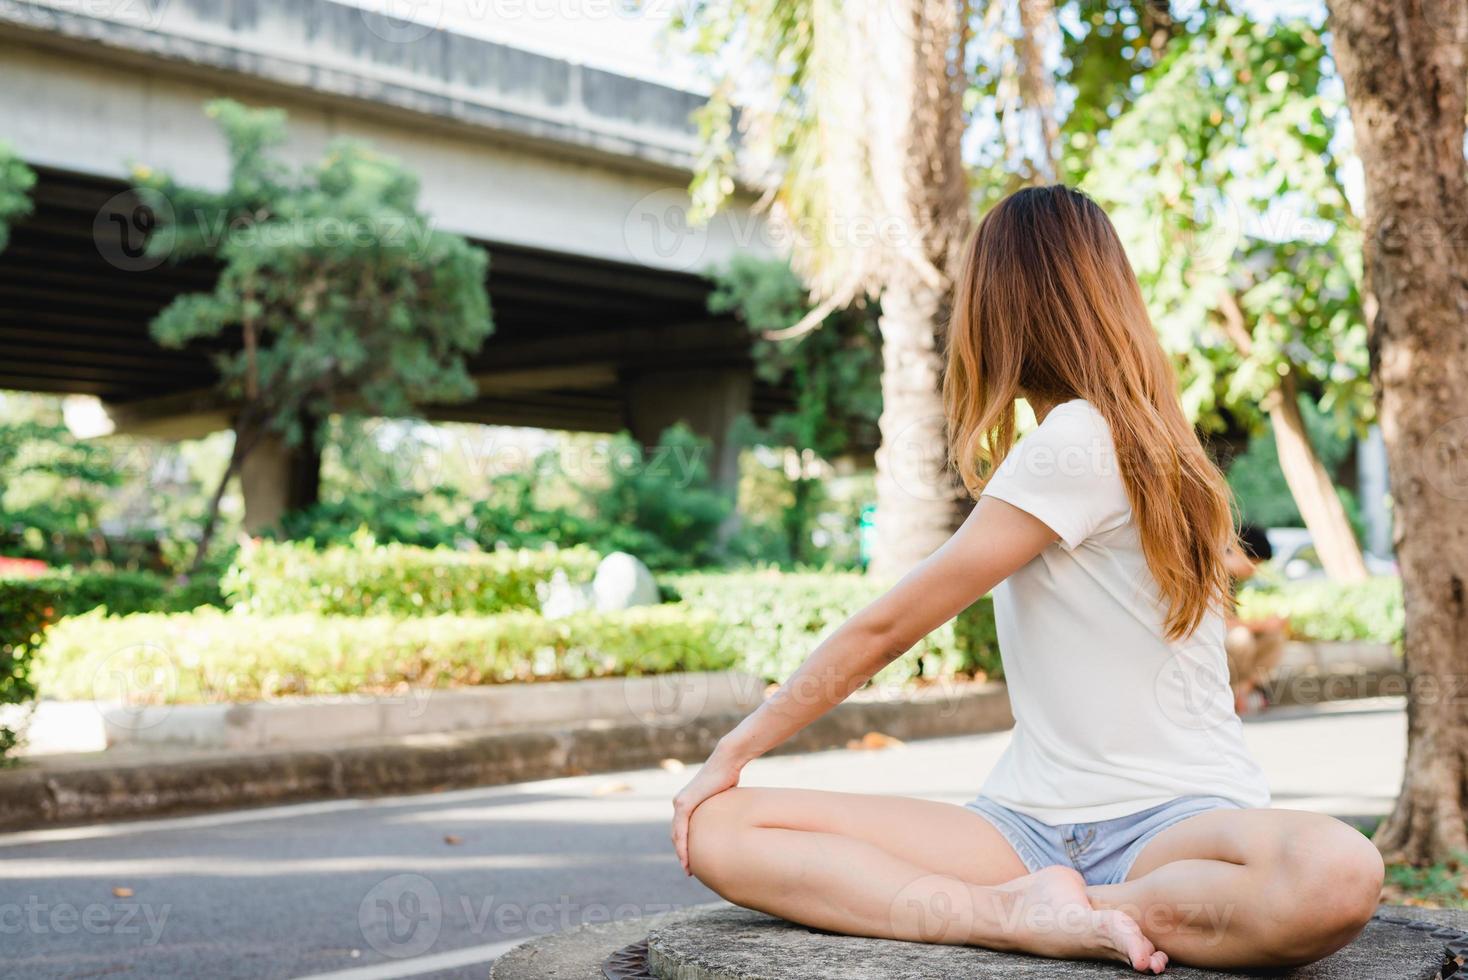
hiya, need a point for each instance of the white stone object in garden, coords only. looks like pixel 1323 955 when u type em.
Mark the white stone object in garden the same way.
pixel 623 581
pixel 562 598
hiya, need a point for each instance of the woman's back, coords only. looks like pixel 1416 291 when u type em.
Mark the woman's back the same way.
pixel 1111 717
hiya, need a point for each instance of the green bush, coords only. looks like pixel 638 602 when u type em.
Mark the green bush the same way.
pixel 71 592
pixel 660 504
pixel 1325 610
pixel 202 589
pixel 26 606
pixel 211 655
pixel 774 620
pixel 389 513
pixel 120 592
pixel 365 578
pixel 607 493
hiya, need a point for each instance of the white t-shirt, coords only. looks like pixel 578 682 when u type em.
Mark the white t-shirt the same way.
pixel 1110 717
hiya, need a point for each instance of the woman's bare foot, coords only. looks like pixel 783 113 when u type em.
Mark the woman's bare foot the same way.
pixel 1050 915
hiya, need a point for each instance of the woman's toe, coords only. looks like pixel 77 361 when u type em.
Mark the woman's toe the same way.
pixel 1130 942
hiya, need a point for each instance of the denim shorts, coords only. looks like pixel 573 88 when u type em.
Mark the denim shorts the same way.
pixel 1102 851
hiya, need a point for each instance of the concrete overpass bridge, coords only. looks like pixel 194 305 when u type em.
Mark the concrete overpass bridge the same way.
pixel 571 176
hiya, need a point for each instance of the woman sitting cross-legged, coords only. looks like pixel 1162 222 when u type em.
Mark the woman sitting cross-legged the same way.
pixel 1126 820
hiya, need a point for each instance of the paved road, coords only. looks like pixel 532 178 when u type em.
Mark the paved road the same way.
pixel 436 886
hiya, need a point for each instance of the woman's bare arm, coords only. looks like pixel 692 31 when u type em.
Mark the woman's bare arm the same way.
pixel 996 540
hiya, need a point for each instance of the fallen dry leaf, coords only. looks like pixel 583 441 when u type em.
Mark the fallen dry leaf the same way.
pixel 606 789
pixel 873 742
pixel 452 839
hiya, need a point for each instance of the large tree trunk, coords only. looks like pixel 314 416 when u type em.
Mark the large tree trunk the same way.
pixel 919 499
pixel 916 93
pixel 1405 66
pixel 1312 487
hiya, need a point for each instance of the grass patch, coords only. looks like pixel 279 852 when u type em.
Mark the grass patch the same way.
pixel 1440 886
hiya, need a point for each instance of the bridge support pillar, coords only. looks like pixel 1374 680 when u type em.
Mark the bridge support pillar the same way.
pixel 708 400
pixel 276 478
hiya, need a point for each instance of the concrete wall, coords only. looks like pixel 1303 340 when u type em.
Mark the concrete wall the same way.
pixel 511 146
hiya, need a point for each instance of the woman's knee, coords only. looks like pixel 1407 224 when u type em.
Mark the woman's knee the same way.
pixel 714 834
pixel 1327 887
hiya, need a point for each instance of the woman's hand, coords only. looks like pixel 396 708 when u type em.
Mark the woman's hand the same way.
pixel 713 777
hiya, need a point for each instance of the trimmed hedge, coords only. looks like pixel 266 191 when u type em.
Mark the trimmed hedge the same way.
pixel 211 655
pixel 775 620
pixel 26 606
pixel 121 593
pixel 274 578
pixel 1319 609
pixel 71 592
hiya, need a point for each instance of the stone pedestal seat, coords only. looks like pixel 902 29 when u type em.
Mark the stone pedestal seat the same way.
pixel 725 943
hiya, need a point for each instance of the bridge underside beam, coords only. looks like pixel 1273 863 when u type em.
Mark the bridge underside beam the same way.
pixel 75 308
pixel 579 344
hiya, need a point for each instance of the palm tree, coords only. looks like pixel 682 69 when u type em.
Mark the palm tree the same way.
pixel 857 111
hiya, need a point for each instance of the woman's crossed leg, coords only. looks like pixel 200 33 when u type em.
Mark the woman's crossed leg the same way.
pixel 897 868
pixel 1226 888
pixel 1260 888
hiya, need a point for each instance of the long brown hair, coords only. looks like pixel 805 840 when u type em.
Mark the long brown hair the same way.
pixel 1047 307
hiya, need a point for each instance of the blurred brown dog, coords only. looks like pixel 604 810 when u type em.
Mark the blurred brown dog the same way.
pixel 1255 646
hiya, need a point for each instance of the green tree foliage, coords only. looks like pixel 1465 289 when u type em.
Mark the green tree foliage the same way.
pixel 1263 497
pixel 342 295
pixel 1237 123
pixel 611 494
pixel 16 181
pixel 52 489
pixel 1223 178
pixel 1108 48
pixel 835 371
pixel 388 513
pixel 661 504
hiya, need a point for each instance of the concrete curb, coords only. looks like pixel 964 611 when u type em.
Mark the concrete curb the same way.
pixel 286 723
pixel 55 790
